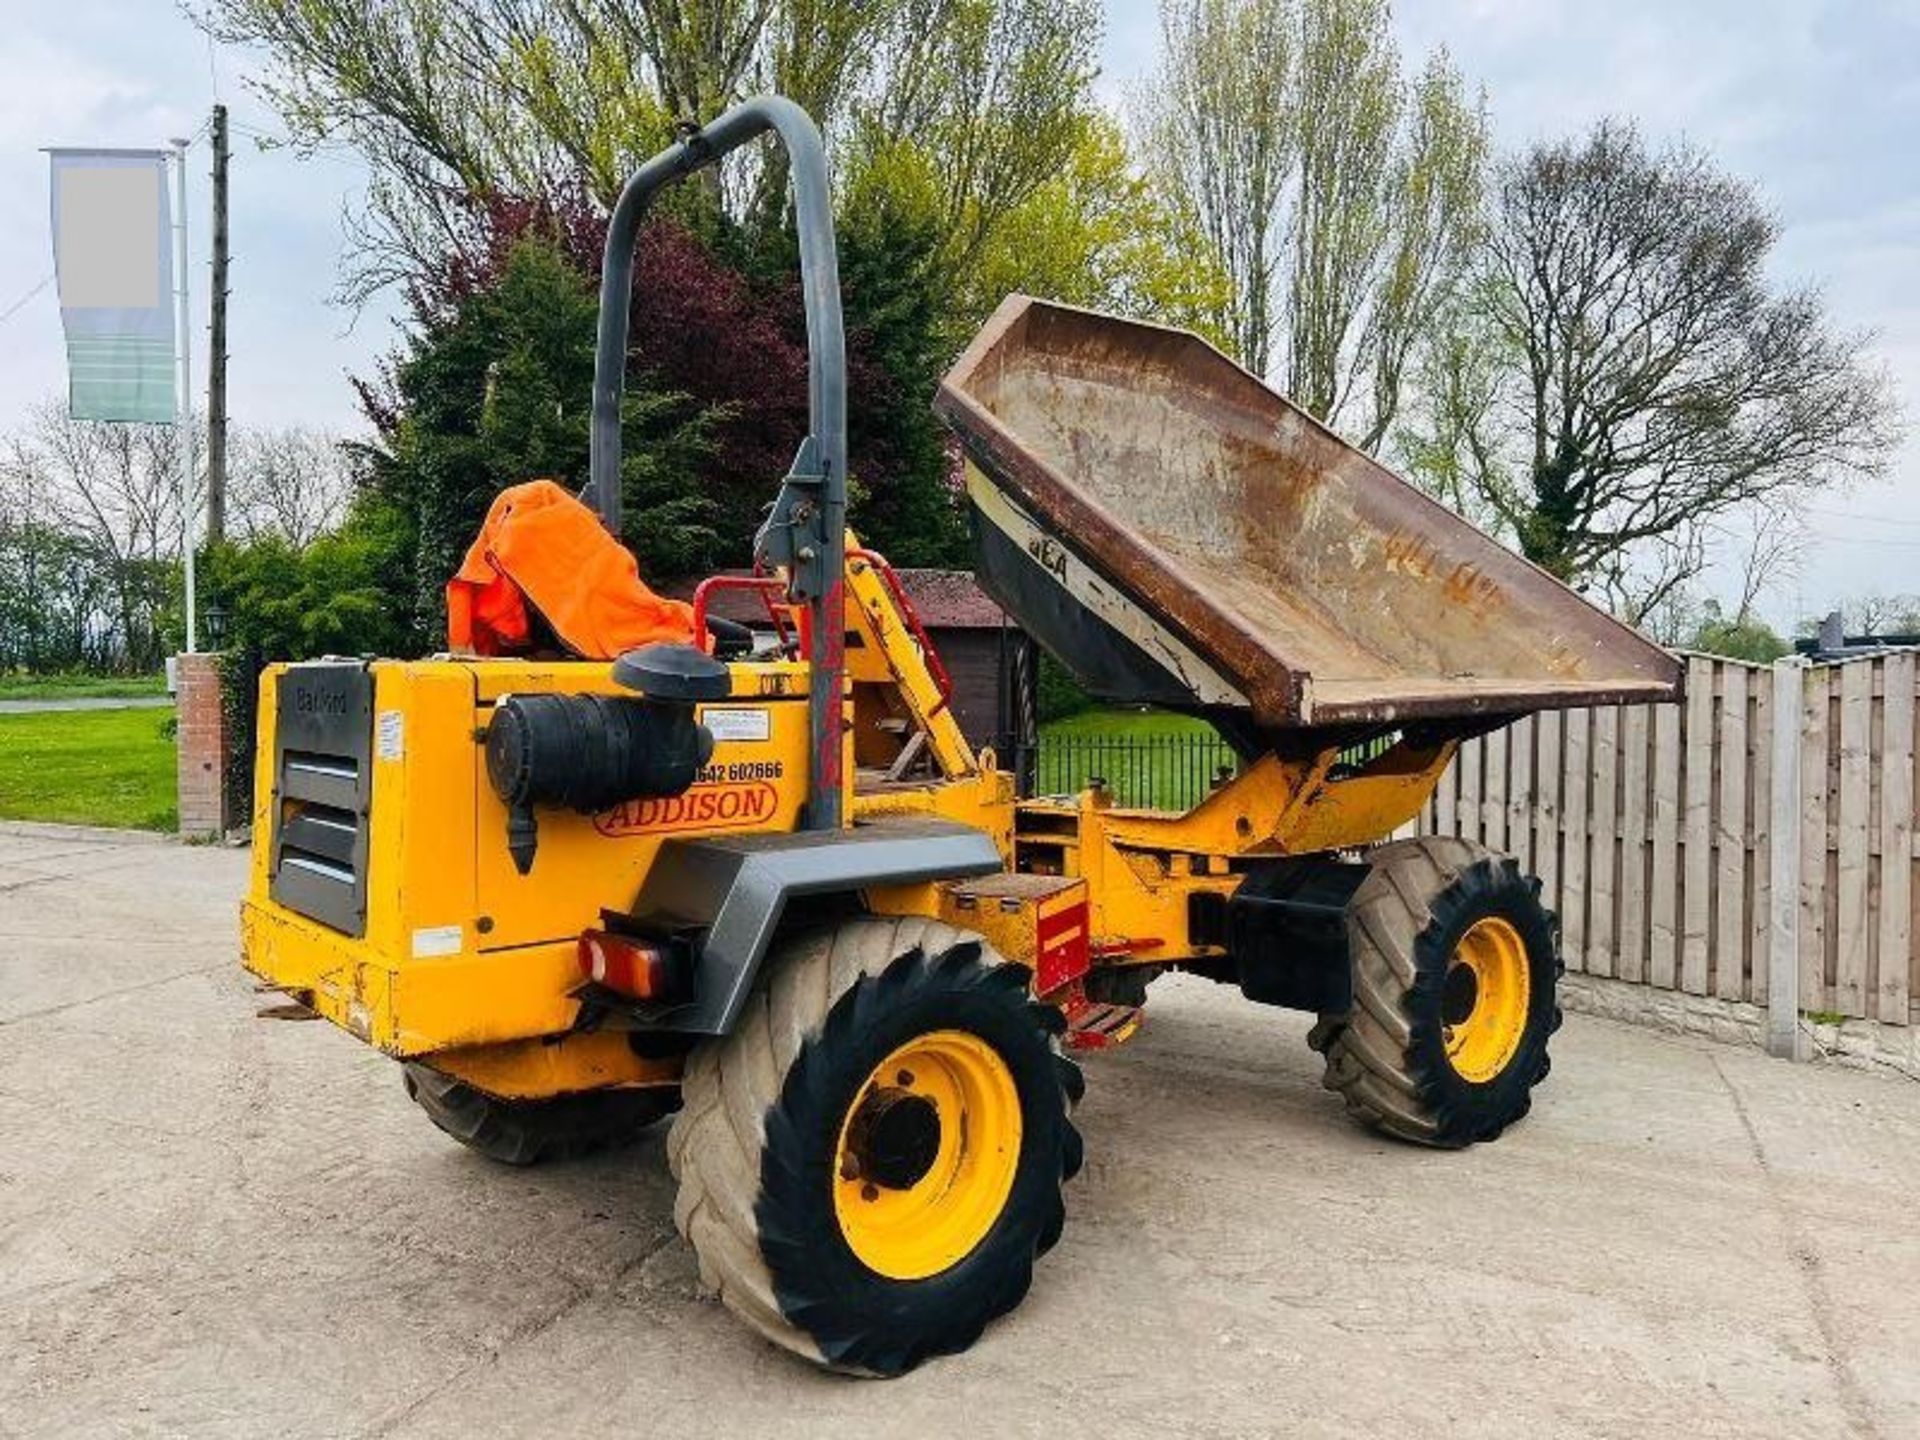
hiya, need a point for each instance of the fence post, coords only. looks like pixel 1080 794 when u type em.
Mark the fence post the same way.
pixel 1783 944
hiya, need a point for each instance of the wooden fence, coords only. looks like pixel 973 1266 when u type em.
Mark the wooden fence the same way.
pixel 1758 836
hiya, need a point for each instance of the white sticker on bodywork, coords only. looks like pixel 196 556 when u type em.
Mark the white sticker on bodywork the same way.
pixel 436 940
pixel 737 724
pixel 389 735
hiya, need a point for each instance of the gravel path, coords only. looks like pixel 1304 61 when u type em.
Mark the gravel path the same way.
pixel 87 702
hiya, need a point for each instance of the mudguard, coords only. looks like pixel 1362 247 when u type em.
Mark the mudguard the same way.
pixel 732 891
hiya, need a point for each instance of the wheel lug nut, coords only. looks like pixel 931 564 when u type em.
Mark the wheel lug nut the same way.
pixel 869 1192
pixel 904 1078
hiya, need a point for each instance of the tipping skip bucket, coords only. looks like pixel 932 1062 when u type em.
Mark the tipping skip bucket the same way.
pixel 1177 533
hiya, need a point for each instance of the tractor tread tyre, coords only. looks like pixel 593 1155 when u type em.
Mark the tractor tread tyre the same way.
pixel 753 1149
pixel 526 1132
pixel 1386 1056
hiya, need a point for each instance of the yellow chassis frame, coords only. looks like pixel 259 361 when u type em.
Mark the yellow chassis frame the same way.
pixel 499 1014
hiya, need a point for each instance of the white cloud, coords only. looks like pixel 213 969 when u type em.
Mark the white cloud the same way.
pixel 46 91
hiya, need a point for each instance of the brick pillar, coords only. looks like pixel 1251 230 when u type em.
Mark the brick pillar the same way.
pixel 202 746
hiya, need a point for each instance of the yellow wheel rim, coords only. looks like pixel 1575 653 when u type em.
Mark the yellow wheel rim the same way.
pixel 927 1154
pixel 1484 1001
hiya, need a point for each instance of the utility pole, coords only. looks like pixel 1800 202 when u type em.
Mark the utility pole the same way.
pixel 217 342
pixel 183 415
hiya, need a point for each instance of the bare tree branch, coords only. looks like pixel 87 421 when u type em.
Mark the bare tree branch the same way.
pixel 1638 381
pixel 293 483
pixel 112 492
pixel 1343 200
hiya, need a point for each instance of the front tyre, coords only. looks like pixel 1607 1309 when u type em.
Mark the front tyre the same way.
pixel 1454 967
pixel 870 1164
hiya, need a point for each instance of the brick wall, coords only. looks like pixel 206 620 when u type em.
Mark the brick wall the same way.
pixel 202 746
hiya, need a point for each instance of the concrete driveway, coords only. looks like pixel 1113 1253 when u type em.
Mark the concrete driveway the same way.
pixel 214 1224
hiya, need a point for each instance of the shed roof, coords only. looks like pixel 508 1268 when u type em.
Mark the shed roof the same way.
pixel 951 600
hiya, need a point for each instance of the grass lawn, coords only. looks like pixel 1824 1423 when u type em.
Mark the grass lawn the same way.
pixel 88 767
pixel 1126 725
pixel 79 687
pixel 1147 757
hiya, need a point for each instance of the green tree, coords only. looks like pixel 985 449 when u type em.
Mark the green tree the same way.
pixel 1096 233
pixel 991 97
pixel 1341 197
pixel 1720 634
pixel 55 589
pixel 330 596
pixel 1216 121
pixel 893 287
pixel 453 101
pixel 1092 232
pixel 498 390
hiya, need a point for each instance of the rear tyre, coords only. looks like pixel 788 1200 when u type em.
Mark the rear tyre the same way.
pixel 1454 967
pixel 525 1132
pixel 871 1162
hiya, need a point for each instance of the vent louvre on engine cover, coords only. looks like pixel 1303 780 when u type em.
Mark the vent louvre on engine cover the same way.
pixel 322 786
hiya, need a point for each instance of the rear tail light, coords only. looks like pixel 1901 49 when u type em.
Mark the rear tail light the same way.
pixel 634 967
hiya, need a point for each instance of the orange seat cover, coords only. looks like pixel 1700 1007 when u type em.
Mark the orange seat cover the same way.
pixel 542 548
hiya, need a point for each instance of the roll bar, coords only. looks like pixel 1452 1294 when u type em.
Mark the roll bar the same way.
pixel 805 532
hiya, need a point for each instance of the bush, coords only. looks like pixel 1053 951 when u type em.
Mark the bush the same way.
pixel 1736 639
pixel 1060 694
pixel 332 597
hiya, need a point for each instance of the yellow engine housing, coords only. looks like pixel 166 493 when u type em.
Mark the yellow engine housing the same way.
pixel 459 951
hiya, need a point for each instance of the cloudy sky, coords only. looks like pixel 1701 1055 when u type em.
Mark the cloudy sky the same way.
pixel 1818 101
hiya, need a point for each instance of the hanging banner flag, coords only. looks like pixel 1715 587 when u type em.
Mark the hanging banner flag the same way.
pixel 113 253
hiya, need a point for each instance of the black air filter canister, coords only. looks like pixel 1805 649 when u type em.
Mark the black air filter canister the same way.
pixel 592 751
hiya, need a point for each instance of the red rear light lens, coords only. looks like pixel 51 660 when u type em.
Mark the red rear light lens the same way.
pixel 620 962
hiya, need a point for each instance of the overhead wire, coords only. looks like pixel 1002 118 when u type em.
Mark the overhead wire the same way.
pixel 16 306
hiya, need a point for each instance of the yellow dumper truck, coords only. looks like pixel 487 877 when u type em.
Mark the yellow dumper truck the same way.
pixel 768 884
